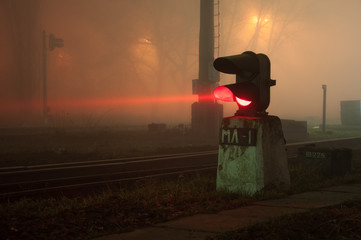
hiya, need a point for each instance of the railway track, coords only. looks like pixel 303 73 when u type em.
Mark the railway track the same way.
pixel 25 180
pixel 29 180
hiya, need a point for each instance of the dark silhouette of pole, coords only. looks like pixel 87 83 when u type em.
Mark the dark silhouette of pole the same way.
pixel 45 107
pixel 324 87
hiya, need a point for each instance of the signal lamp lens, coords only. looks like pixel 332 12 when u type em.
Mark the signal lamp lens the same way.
pixel 223 93
pixel 243 102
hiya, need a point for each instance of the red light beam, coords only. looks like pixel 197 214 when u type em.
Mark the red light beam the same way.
pixel 13 106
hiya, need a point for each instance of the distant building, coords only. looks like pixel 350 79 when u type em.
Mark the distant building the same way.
pixel 351 112
pixel 157 127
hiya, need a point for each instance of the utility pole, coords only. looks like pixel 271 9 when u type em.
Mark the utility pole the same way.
pixel 206 113
pixel 324 87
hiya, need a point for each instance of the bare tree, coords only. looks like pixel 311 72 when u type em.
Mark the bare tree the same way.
pixel 174 40
pixel 264 24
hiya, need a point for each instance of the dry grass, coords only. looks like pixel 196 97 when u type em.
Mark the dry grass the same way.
pixel 116 210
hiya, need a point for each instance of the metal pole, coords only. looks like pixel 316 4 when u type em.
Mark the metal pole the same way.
pixel 45 107
pixel 324 87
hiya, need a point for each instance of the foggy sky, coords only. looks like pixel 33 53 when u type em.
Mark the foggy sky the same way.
pixel 124 59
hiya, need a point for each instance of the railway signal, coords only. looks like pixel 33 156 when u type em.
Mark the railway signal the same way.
pixel 55 42
pixel 52 42
pixel 251 91
pixel 251 141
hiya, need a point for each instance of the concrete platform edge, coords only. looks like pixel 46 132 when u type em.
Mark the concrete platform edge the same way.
pixel 202 225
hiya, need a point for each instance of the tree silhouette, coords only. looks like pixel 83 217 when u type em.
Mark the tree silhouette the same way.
pixel 25 42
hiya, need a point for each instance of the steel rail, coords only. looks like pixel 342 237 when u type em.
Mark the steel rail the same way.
pixel 103 182
pixel 138 159
pixel 103 162
pixel 103 175
pixel 86 179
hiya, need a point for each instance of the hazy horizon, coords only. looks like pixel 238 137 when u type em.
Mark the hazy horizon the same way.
pixel 132 62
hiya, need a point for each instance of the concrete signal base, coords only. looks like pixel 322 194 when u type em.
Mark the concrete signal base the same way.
pixel 252 155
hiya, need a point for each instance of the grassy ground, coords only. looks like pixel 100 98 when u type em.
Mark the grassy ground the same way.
pixel 334 131
pixel 115 210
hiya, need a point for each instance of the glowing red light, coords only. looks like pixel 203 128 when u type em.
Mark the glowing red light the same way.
pixel 243 102
pixel 223 93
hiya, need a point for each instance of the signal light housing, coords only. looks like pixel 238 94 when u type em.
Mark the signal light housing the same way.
pixel 251 91
pixel 55 42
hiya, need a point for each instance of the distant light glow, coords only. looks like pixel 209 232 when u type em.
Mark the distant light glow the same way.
pixel 255 19
pixel 63 58
pixel 224 94
pixel 145 40
pixel 243 102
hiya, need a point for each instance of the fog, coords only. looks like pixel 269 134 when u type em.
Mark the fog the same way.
pixel 132 61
